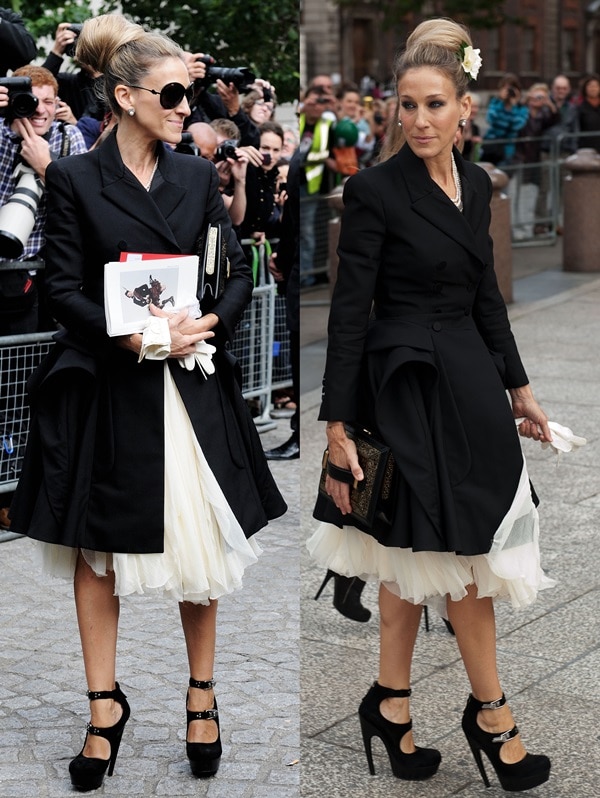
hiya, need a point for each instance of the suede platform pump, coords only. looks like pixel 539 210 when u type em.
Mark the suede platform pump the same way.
pixel 422 764
pixel 87 773
pixel 532 770
pixel 346 596
pixel 204 757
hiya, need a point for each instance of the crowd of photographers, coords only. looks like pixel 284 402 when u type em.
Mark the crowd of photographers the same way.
pixel 50 110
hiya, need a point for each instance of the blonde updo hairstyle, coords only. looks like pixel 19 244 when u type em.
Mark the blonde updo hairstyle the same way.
pixel 435 43
pixel 122 52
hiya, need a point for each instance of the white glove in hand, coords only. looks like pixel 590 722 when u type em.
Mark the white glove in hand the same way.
pixel 156 339
pixel 563 439
pixel 202 356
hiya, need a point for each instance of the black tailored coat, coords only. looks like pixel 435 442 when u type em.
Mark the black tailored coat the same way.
pixel 420 351
pixel 93 474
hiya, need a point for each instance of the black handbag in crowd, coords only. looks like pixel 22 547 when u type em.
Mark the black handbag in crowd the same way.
pixel 372 497
pixel 214 263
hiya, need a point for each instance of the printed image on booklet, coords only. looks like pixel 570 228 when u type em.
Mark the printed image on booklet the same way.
pixel 131 286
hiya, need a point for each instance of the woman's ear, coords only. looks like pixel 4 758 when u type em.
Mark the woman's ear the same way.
pixel 124 97
pixel 465 106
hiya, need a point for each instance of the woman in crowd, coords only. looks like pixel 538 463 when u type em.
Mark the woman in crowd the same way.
pixel 421 353
pixel 141 475
pixel 588 112
pixel 506 115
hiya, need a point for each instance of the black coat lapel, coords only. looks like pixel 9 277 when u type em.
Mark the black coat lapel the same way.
pixel 430 202
pixel 153 211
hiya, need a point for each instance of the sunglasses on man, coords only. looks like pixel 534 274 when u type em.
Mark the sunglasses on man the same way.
pixel 171 94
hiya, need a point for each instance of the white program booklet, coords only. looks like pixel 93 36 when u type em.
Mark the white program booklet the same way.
pixel 141 280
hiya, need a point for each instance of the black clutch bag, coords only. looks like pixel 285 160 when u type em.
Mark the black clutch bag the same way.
pixel 214 263
pixel 372 497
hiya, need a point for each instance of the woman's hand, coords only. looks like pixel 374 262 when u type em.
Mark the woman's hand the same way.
pixel 186 332
pixel 535 421
pixel 342 453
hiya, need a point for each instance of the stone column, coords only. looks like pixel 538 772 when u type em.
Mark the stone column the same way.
pixel 581 199
pixel 500 230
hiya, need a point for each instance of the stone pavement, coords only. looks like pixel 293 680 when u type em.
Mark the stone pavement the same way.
pixel 43 710
pixel 549 654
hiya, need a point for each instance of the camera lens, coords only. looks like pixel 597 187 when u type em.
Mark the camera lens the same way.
pixel 23 105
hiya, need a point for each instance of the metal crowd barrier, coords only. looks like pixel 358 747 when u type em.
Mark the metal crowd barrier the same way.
pixel 535 188
pixel 262 343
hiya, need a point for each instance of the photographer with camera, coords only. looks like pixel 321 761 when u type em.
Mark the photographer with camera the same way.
pixel 29 140
pixel 17 45
pixel 231 163
pixel 506 115
pixel 226 103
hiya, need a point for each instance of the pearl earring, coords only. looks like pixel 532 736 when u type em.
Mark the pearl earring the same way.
pixel 462 122
pixel 131 111
pixel 399 123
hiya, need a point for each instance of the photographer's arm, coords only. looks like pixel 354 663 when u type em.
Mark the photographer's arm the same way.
pixel 35 150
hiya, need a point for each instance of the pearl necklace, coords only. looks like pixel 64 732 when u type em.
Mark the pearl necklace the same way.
pixel 149 183
pixel 458 198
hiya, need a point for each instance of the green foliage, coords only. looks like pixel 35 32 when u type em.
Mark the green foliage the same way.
pixel 259 34
pixel 42 18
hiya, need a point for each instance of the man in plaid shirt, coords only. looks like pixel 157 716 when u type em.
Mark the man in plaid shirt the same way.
pixel 34 141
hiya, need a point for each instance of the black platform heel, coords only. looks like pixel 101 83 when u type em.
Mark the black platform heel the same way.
pixel 204 757
pixel 532 770
pixel 87 773
pixel 422 764
pixel 346 596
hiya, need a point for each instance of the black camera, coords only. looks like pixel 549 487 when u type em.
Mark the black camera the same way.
pixel 241 77
pixel 76 27
pixel 511 92
pixel 225 150
pixel 187 145
pixel 21 101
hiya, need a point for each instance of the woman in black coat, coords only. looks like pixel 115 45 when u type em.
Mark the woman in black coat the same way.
pixel 143 462
pixel 421 353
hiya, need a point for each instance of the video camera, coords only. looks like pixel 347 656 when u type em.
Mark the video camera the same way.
pixel 76 28
pixel 241 77
pixel 21 101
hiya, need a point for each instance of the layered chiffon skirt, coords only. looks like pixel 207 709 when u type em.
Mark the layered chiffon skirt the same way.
pixel 511 569
pixel 205 549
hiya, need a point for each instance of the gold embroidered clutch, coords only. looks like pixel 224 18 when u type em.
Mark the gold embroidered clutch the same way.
pixel 372 497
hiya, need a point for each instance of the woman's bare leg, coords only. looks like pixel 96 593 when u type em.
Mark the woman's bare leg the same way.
pixel 474 623
pixel 98 619
pixel 199 624
pixel 399 625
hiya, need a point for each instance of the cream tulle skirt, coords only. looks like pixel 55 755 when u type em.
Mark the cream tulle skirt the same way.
pixel 205 549
pixel 511 569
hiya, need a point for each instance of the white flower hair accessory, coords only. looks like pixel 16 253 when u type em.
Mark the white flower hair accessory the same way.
pixel 470 60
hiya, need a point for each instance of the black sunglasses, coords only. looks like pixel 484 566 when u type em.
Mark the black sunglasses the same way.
pixel 172 94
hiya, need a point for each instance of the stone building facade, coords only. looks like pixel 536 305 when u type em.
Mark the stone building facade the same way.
pixel 554 36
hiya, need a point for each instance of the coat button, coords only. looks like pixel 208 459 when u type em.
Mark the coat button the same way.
pixel 470 287
pixel 467 311
pixel 122 245
pixel 436 326
pixel 441 265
